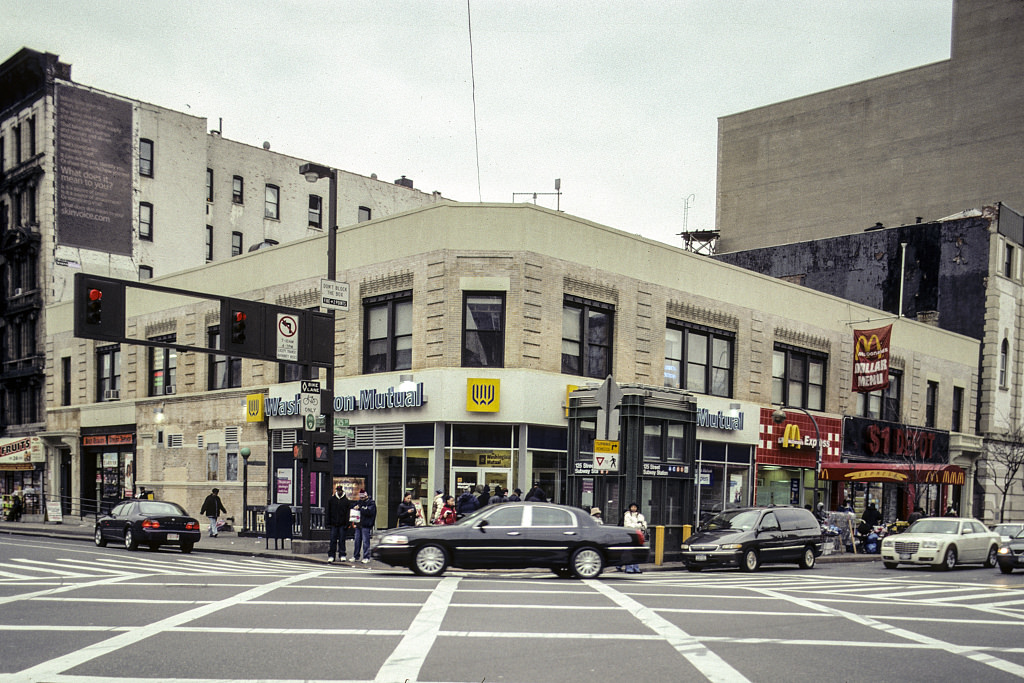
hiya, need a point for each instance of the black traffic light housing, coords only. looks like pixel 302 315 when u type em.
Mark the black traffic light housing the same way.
pixel 99 307
pixel 241 327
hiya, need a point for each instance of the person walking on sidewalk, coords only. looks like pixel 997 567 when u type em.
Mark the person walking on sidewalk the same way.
pixel 634 519
pixel 338 512
pixel 406 511
pixel 212 507
pixel 364 527
pixel 448 514
pixel 435 507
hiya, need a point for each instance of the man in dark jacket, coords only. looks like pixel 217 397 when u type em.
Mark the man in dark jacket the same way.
pixel 537 494
pixel 407 511
pixel 498 497
pixel 514 496
pixel 467 503
pixel 484 495
pixel 212 507
pixel 364 527
pixel 338 511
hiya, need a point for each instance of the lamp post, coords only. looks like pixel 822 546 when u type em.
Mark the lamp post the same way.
pixel 779 416
pixel 313 173
pixel 245 453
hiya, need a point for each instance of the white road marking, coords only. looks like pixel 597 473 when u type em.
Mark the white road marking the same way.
pixel 407 658
pixel 694 651
pixel 62 589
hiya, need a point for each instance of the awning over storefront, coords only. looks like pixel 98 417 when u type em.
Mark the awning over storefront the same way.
pixel 894 472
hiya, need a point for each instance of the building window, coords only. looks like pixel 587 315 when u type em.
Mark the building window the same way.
pixel 231 466
pixel 364 214
pixel 293 372
pixel 31 136
pixel 798 377
pixel 146 221
pixel 209 184
pixel 65 378
pixel 698 359
pixel 1008 262
pixel 315 202
pixel 209 243
pixel 223 372
pixel 883 404
pixel 587 337
pixel 931 399
pixel 163 367
pixel 3 155
pixel 212 461
pixel 272 206
pixel 237 187
pixel 145 273
pixel 958 409
pixel 1004 359
pixel 236 243
pixel 483 330
pixel 17 144
pixel 388 332
pixel 108 373
pixel 146 158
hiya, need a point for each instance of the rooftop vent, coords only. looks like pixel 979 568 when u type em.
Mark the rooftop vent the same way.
pixel 404 182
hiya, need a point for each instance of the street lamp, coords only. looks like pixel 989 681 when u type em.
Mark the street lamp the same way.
pixel 779 416
pixel 245 453
pixel 313 173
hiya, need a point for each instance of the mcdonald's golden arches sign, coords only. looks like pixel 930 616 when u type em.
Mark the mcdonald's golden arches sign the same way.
pixel 871 359
pixel 483 395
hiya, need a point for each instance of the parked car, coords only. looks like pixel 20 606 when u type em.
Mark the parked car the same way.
pixel 564 539
pixel 750 537
pixel 942 542
pixel 148 522
pixel 1008 530
pixel 1011 554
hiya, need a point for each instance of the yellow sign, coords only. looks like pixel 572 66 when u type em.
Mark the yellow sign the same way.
pixel 606 455
pixel 791 437
pixel 495 460
pixel 254 408
pixel 569 388
pixel 601 446
pixel 483 395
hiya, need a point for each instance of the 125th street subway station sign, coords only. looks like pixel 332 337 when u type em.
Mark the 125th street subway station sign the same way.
pixel 334 295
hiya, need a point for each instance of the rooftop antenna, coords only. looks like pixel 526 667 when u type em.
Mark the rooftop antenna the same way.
pixel 557 193
pixel 697 241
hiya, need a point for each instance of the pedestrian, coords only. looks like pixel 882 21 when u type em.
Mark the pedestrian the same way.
pixel 596 514
pixel 634 519
pixel 917 514
pixel 364 527
pixel 820 514
pixel 537 494
pixel 951 512
pixel 212 507
pixel 467 503
pixel 872 516
pixel 339 512
pixel 846 506
pixel 483 495
pixel 514 497
pixel 406 511
pixel 435 507
pixel 498 497
pixel 448 514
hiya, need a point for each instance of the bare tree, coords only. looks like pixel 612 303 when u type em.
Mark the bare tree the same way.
pixel 1005 455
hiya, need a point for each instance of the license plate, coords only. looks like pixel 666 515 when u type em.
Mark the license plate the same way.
pixel 172 537
pixel 904 556
pixel 701 558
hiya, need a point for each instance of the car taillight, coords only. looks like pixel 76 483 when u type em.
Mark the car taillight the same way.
pixel 150 524
pixel 192 526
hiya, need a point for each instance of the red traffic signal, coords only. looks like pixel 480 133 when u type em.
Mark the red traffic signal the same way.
pixel 94 307
pixel 238 319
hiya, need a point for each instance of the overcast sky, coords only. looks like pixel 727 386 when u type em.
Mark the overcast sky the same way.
pixel 619 99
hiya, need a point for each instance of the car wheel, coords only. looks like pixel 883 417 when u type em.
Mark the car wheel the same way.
pixel 949 559
pixel 562 572
pixel 693 567
pixel 890 565
pixel 430 560
pixel 751 560
pixel 587 563
pixel 1006 569
pixel 993 557
pixel 130 543
pixel 807 559
pixel 100 541
pixel 186 547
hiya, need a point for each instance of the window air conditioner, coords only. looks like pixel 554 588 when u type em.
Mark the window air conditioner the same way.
pixel 17 291
pixel 111 395
pixel 170 389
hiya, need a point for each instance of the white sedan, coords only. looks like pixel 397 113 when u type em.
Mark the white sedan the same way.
pixel 942 542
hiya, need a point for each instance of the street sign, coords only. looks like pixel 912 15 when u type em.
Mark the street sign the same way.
pixel 609 396
pixel 287 337
pixel 606 455
pixel 334 295
pixel 310 410
pixel 341 427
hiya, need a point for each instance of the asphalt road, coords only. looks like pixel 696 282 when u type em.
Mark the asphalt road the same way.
pixel 72 613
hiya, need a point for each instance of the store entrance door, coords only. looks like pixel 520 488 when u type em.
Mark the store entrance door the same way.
pixel 471 476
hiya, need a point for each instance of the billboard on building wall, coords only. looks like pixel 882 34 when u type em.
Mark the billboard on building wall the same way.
pixel 93 171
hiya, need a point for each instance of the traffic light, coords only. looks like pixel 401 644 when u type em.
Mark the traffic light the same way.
pixel 238 319
pixel 99 307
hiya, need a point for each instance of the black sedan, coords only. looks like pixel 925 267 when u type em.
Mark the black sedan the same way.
pixel 515 535
pixel 1011 554
pixel 148 522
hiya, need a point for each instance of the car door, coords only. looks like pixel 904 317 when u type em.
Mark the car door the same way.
pixel 495 539
pixel 553 536
pixel 113 525
pixel 770 540
pixel 980 541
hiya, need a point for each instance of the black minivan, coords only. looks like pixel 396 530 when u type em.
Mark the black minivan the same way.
pixel 750 537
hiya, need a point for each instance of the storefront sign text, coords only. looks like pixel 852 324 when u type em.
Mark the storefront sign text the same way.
pixel 892 441
pixel 109 440
pixel 719 420
pixel 22 450
pixel 657 469
pixel 791 438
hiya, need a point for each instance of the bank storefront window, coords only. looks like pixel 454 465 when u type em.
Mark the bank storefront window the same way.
pixel 723 477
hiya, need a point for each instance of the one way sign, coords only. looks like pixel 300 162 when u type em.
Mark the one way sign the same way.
pixel 606 455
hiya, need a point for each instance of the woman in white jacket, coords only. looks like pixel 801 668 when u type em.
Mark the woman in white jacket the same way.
pixel 634 519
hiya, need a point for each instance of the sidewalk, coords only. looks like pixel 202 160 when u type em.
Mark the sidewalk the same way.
pixel 230 543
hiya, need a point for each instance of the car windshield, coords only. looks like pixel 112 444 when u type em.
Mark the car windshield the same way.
pixel 736 520
pixel 1008 529
pixel 934 526
pixel 153 507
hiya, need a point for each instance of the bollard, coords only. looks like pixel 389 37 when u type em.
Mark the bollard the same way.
pixel 659 545
pixel 687 531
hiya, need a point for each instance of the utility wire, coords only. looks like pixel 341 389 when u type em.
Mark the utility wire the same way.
pixel 472 75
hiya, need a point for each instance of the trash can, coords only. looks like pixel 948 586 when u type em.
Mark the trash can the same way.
pixel 277 521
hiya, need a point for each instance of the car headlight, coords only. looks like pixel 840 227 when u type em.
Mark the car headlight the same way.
pixel 929 544
pixel 1005 550
pixel 888 543
pixel 684 547
pixel 394 539
pixel 730 546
